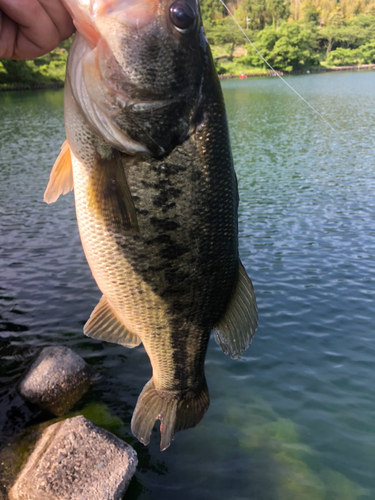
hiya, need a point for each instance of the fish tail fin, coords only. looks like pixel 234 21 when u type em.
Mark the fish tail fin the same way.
pixel 174 412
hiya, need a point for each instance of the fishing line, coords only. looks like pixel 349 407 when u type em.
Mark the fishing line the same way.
pixel 275 72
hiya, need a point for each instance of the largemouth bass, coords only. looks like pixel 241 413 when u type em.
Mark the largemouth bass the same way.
pixel 156 197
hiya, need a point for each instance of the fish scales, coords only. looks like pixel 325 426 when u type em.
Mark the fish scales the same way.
pixel 191 224
pixel 156 201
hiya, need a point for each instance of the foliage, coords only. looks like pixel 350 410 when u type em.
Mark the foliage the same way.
pixel 331 12
pixel 211 10
pixel 350 57
pixel 225 34
pixel 368 52
pixel 41 72
pixel 237 67
pixel 266 12
pixel 325 26
pixel 351 35
pixel 290 34
pixel 344 57
pixel 310 13
pixel 261 13
pixel 289 48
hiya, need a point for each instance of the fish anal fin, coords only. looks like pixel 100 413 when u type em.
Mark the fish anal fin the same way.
pixel 176 413
pixel 61 176
pixel 236 328
pixel 103 324
pixel 110 195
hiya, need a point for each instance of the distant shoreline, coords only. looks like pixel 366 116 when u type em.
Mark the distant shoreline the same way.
pixel 362 67
pixel 303 72
pixel 27 86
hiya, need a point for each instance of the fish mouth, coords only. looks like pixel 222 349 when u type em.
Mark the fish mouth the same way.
pixel 87 14
pixel 132 13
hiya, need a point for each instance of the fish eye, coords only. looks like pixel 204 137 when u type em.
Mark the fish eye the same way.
pixel 182 15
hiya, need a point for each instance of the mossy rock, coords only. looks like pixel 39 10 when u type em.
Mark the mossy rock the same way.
pixel 339 487
pixel 292 477
pixel 245 415
pixel 286 464
pixel 100 415
pixel 275 436
pixel 15 453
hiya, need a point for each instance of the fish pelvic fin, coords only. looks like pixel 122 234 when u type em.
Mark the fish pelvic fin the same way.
pixel 175 412
pixel 236 328
pixel 103 324
pixel 61 176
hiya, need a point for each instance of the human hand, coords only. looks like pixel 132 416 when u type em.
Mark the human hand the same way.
pixel 32 28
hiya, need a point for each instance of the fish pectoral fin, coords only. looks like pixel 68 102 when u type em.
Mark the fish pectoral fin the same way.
pixel 236 328
pixel 110 195
pixel 61 176
pixel 175 412
pixel 104 325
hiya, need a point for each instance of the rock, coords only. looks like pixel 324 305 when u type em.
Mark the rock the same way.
pixel 76 460
pixel 16 451
pixel 57 379
pixel 13 456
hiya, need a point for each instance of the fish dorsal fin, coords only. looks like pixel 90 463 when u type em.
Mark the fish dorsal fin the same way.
pixel 104 325
pixel 236 328
pixel 61 176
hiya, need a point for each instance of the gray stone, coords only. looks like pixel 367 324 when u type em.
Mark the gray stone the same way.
pixel 76 460
pixel 14 455
pixel 57 379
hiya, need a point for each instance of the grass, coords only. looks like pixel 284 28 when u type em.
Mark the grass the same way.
pixel 237 68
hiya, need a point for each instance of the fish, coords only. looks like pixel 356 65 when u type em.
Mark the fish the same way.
pixel 156 196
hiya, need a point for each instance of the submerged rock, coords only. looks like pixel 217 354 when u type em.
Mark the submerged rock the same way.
pixel 292 467
pixel 57 379
pixel 76 460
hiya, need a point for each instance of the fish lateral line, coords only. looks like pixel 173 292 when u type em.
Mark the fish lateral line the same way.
pixel 276 73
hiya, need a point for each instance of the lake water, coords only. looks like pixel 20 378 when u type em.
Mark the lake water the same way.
pixel 294 418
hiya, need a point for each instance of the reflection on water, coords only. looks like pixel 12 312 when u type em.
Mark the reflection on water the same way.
pixel 294 417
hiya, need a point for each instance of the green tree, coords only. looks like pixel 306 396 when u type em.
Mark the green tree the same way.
pixel 277 10
pixel 266 12
pixel 363 22
pixel 365 54
pixel 310 13
pixel 368 51
pixel 43 71
pixel 291 47
pixel 337 18
pixel 257 12
pixel 211 10
pixel 345 57
pixel 350 35
pixel 226 35
pixel 240 15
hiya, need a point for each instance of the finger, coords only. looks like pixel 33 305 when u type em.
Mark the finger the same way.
pixel 60 17
pixel 36 31
pixel 8 35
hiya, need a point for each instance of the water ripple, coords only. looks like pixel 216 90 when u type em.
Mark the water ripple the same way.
pixel 299 403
